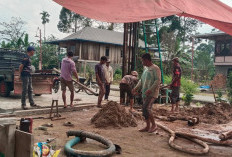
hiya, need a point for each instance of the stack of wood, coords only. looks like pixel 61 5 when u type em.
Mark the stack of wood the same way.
pixel 219 81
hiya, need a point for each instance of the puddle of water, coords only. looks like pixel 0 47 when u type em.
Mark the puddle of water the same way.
pixel 201 133
pixel 206 134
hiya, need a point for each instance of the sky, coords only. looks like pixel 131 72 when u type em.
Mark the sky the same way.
pixel 29 11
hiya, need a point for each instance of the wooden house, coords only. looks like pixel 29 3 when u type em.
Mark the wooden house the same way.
pixel 223 51
pixel 92 43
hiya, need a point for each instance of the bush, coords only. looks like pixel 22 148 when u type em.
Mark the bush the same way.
pixel 167 79
pixel 189 88
pixel 219 95
pixel 118 74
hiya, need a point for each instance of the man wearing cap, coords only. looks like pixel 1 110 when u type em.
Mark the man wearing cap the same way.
pixel 108 71
pixel 149 86
pixel 25 70
pixel 126 85
pixel 100 77
pixel 68 69
pixel 175 85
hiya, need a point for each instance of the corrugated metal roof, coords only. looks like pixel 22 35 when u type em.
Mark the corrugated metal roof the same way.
pixel 211 36
pixel 97 35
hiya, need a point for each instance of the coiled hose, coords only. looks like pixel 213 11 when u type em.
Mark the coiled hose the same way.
pixel 83 134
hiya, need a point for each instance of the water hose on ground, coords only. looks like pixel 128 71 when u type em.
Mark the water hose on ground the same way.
pixel 80 134
pixel 175 146
pixel 197 139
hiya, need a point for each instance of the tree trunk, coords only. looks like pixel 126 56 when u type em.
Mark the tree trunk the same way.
pixel 44 33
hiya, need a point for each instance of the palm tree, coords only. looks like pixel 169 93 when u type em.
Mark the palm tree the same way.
pixel 44 19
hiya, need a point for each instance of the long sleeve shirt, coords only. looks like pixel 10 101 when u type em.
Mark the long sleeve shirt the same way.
pixel 109 74
pixel 150 80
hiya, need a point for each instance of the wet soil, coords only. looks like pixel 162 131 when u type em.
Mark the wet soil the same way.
pixel 218 113
pixel 132 142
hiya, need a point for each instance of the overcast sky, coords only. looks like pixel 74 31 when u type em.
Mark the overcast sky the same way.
pixel 29 11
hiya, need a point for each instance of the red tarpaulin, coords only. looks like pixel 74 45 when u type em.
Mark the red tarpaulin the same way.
pixel 212 12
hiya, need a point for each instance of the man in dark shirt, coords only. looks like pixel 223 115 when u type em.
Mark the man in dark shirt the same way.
pixel 175 85
pixel 100 77
pixel 25 70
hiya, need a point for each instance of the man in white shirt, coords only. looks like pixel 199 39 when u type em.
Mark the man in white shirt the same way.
pixel 108 70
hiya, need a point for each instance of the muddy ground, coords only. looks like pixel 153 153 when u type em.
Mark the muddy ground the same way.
pixel 132 142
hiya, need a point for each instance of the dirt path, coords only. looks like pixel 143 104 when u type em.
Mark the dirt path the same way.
pixel 132 142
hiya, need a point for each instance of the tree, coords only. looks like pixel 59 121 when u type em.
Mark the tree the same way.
pixel 50 55
pixel 111 26
pixel 13 35
pixel 184 27
pixel 71 22
pixel 203 61
pixel 150 32
pixel 12 31
pixel 45 19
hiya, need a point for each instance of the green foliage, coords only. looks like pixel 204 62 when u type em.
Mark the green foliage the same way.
pixel 118 74
pixel 219 95
pixel 150 37
pixel 229 88
pixel 167 79
pixel 90 71
pixel 45 17
pixel 13 35
pixel 50 56
pixel 72 22
pixel 187 97
pixel 189 88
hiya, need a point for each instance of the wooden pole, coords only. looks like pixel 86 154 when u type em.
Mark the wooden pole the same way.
pixel 125 45
pixel 129 58
pixel 192 58
pixel 40 58
pixel 134 45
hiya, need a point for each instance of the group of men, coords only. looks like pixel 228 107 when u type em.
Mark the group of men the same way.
pixel 148 85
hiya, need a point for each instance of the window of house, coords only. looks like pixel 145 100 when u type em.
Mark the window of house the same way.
pixel 107 52
pixel 223 48
pixel 121 53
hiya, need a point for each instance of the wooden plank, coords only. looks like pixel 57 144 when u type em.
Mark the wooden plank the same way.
pixel 24 143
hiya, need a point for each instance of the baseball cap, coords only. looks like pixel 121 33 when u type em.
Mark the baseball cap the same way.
pixel 30 48
pixel 175 59
pixel 134 73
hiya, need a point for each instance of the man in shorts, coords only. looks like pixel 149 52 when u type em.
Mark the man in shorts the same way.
pixel 126 85
pixel 175 85
pixel 68 69
pixel 149 86
pixel 100 77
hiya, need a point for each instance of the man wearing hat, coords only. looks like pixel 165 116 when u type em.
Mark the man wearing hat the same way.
pixel 25 70
pixel 126 85
pixel 175 85
pixel 108 70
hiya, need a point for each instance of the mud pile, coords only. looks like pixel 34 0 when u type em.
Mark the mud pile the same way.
pixel 113 114
pixel 219 113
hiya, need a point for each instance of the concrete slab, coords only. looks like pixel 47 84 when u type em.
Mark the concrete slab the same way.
pixel 47 110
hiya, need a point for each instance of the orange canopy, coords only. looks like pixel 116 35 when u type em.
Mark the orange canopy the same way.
pixel 212 12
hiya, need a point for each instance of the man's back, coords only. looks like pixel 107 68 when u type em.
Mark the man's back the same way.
pixel 67 67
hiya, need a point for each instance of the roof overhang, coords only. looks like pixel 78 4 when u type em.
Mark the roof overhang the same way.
pixel 212 36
